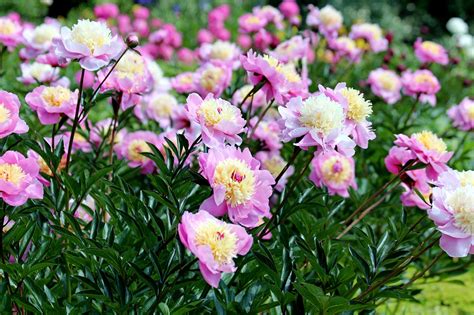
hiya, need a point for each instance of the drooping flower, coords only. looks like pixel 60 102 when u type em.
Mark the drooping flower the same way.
pixel 130 77
pixel 369 37
pixel 358 110
pixel 19 179
pixel 274 163
pixel 220 121
pixel 90 42
pixel 453 212
pixel 51 102
pixel 421 84
pixel 385 84
pixel 10 121
pixel 134 144
pixel 214 242
pixel 334 171
pixel 225 52
pixel 430 52
pixel 319 120
pixel 212 77
pixel 463 114
pixel 328 20
pixel 240 188
pixel 10 32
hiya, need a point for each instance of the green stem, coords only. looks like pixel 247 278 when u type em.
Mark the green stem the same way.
pixel 75 122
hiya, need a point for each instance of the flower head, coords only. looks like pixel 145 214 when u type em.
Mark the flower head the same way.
pixel 422 84
pixel 431 52
pixel 274 163
pixel 10 32
pixel 38 72
pixel 369 37
pixel 10 121
pixel 385 84
pixel 134 144
pixel 212 77
pixel 328 20
pixel 463 114
pixel 225 52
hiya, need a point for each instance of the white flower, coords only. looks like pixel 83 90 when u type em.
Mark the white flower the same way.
pixel 457 26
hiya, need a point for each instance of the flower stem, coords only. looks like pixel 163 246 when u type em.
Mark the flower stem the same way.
pixel 253 91
pixel 260 118
pixel 410 113
pixel 296 151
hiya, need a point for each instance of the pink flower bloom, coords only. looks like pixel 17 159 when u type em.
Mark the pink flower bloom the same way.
pixel 225 52
pixel 318 121
pixel 263 39
pixel 428 149
pixel 124 24
pixel 10 32
pixel 90 42
pixel 345 47
pixel 50 102
pixel 204 36
pixel 453 212
pixel 397 158
pixel 289 9
pixel 421 84
pixel 183 83
pixel 240 189
pixel 106 11
pixel 268 132
pixel 10 121
pixel 244 41
pixel 214 242
pixel 220 121
pixel 80 143
pixel 212 77
pixel 89 79
pixel 295 48
pixel 270 15
pixel 258 98
pixel 463 114
pixel 417 180
pixel 328 20
pixel 219 14
pixel 40 39
pixel 141 12
pixel 186 55
pixel 385 84
pixel 38 72
pixel 334 171
pixel 274 163
pixel 130 76
pixel 134 144
pixel 44 167
pixel 282 81
pixel 160 108
pixel 430 52
pixel 370 35
pixel 140 27
pixel 19 179
pixel 249 23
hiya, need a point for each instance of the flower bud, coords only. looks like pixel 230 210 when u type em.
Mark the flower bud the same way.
pixel 132 40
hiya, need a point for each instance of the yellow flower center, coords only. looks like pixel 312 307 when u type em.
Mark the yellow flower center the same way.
pixel 186 79
pixel 347 42
pixel 163 105
pixel 44 34
pixel 388 81
pixel 461 201
pixel 220 238
pixel 92 34
pixel 4 113
pixel 287 70
pixel 336 169
pixel 321 114
pixel 213 111
pixel 359 108
pixel 38 69
pixel 424 78
pixel 252 20
pixel 470 112
pixel 431 47
pixel 135 148
pixel 430 141
pixel 131 65
pixel 238 180
pixel 221 50
pixel 55 96
pixel 12 173
pixel 210 78
pixel 7 27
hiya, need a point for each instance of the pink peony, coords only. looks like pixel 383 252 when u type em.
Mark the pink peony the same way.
pixel 289 8
pixel 225 52
pixel 134 144
pixel 106 11
pixel 268 132
pixel 385 84
pixel 10 32
pixel 183 83
pixel 334 171
pixel 19 179
pixel 328 20
pixel 250 23
pixel 51 102
pixel 90 42
pixel 160 107
pixel 274 163
pixel 10 121
pixel 296 48
pixel 463 114
pixel 258 98
pixel 369 36
pixel 345 47
pixel 101 129
pixel 421 84
pixel 430 52
pixel 39 40
pixel 212 77
pixel 38 73
pixel 220 121
pixel 214 242
pixel 240 188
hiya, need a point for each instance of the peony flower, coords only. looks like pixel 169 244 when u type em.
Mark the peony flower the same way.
pixel 328 20
pixel 345 47
pixel 10 121
pixel 369 37
pixel 38 73
pixel 134 144
pixel 250 23
pixel 160 82
pixel 90 42
pixel 183 83
pixel 160 108
pixel 270 15
pixel 335 171
pixel 416 181
pixel 220 121
pixel 212 77
pixel 44 167
pixel 426 148
pixel 40 39
pixel 457 26
pixel 319 120
pixel 430 52
pixel 19 179
pixel 51 102
pixel 421 84
pixel 281 81
pixel 10 32
pixel 453 212
pixel 295 48
pixel 274 163
pixel 106 11
pixel 130 76
pixel 463 114
pixel 240 188
pixel 225 52
pixel 385 84
pixel 79 143
pixel 358 110
pixel 214 242
pixel 268 132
